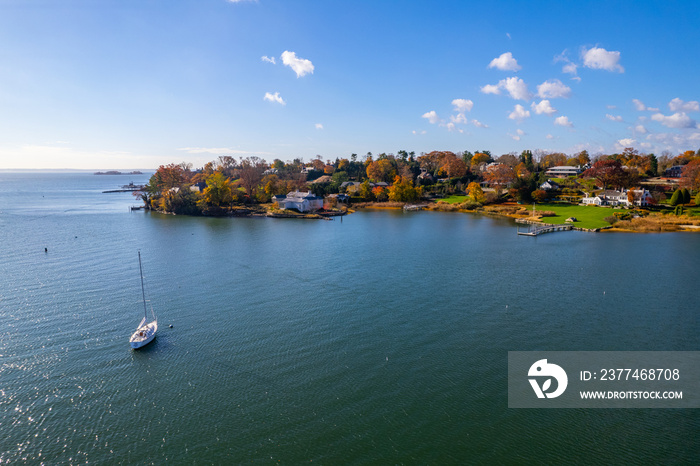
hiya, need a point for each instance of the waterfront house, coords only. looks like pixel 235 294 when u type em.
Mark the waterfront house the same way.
pixel 301 201
pixel 642 197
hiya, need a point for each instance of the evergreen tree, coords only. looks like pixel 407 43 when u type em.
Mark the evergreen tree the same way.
pixel 677 197
pixel 686 196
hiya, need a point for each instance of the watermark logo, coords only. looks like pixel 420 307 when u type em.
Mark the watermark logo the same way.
pixel 544 370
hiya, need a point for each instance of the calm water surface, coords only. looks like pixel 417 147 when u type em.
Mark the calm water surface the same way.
pixel 380 339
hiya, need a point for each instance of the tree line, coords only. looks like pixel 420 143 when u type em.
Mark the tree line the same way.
pixel 227 182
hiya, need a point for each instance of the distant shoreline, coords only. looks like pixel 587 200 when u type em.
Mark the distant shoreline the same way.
pixel 115 172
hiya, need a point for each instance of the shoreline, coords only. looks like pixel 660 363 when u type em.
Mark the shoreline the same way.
pixel 647 224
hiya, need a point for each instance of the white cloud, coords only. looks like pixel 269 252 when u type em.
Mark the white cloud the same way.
pixel 626 142
pixel 677 105
pixel 491 89
pixel 519 113
pixel 451 127
pixel 268 59
pixel 549 136
pixel 600 59
pixel 462 105
pixel 518 135
pixel 570 68
pixel 431 116
pixel 553 89
pixel 641 129
pixel 639 105
pixel 505 62
pixel 459 118
pixel 516 87
pixel 479 124
pixel 241 1
pixel 563 121
pixel 613 117
pixel 544 107
pixel 419 132
pixel 274 98
pixel 301 66
pixel 677 120
pixel 319 126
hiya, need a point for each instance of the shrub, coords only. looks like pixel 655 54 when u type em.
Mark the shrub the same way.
pixel 697 198
pixel 677 198
pixel 686 196
pixel 611 219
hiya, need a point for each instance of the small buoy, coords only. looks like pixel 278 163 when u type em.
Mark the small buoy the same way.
pixel 46 249
pixel 171 326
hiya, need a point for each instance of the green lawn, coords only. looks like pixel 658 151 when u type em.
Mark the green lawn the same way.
pixel 587 216
pixel 455 199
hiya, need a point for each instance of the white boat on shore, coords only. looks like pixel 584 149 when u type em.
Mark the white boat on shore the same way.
pixel 146 331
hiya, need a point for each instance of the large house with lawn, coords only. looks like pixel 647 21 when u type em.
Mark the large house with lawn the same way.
pixel 641 198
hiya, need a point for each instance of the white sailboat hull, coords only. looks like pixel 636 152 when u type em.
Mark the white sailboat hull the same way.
pixel 144 334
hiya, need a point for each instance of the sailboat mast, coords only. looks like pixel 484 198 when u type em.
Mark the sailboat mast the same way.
pixel 143 292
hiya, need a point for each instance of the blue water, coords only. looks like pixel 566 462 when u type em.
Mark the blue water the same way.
pixel 381 338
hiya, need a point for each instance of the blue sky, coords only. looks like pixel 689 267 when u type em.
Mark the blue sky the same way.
pixel 103 84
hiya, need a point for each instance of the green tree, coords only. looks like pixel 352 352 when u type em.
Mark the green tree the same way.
pixel 366 191
pixel 686 196
pixel 677 198
pixel 697 199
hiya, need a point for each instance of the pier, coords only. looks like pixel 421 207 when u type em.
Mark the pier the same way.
pixel 534 229
pixel 411 207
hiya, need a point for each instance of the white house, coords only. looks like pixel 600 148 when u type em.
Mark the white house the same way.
pixel 642 197
pixel 302 201
pixel 563 171
pixel 549 185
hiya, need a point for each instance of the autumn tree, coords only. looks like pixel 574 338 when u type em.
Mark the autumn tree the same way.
pixel 606 172
pixel 690 176
pixel 251 172
pixel 479 158
pixel 169 176
pixel 553 159
pixel 499 175
pixel 475 192
pixel 539 195
pixel 508 159
pixel 452 166
pixel 521 170
pixel 403 190
pixel 381 170
pixel 217 194
pixel 581 158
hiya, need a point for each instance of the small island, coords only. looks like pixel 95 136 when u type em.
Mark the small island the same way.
pixel 627 191
pixel 114 172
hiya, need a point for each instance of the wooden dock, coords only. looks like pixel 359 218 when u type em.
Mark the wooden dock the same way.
pixel 534 229
pixel 412 207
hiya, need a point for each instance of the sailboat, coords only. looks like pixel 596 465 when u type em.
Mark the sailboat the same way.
pixel 145 332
